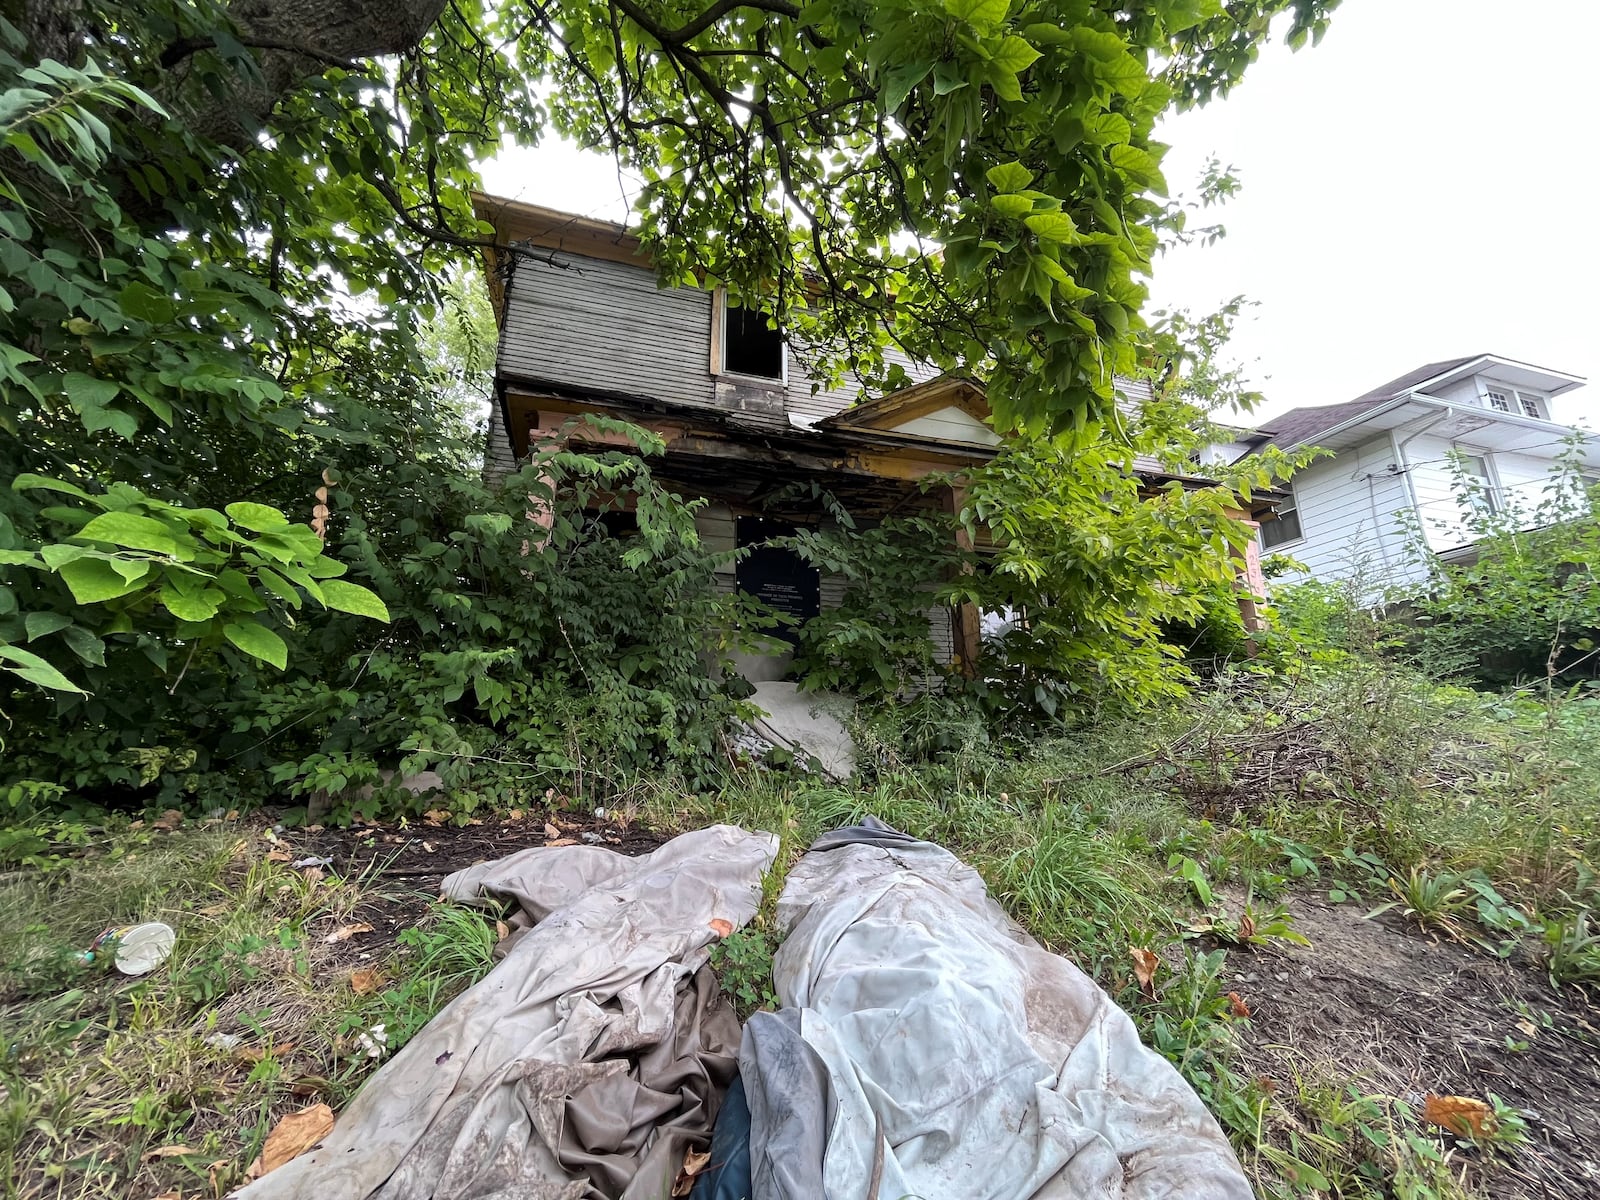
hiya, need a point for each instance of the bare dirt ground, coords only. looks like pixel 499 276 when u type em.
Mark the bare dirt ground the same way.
pixel 1408 1013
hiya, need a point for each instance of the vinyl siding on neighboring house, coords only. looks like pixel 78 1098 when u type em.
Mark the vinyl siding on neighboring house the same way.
pixel 1348 522
pixel 1519 480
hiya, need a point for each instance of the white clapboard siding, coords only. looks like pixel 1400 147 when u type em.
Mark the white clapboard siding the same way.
pixel 1348 510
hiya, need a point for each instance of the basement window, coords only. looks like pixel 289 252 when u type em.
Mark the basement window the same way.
pixel 1286 528
pixel 750 346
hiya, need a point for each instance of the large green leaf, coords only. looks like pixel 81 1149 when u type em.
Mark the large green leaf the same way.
pixel 85 645
pixel 1014 55
pixel 1008 177
pixel 28 481
pixel 94 580
pixel 36 670
pixel 1052 226
pixel 353 598
pixel 258 518
pixel 134 532
pixel 199 605
pixel 980 14
pixel 258 642
pixel 1010 205
pixel 39 624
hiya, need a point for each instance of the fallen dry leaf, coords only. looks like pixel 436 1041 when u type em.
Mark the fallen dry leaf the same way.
pixel 167 821
pixel 347 932
pixel 562 842
pixel 436 816
pixel 167 1152
pixel 1247 927
pixel 365 980
pixel 1145 964
pixel 277 856
pixel 428 846
pixel 309 1085
pixel 250 1055
pixel 1237 1005
pixel 312 875
pixel 216 1172
pixel 233 815
pixel 292 1137
pixel 550 831
pixel 214 910
pixel 501 931
pixel 694 1161
pixel 721 928
pixel 514 815
pixel 1461 1115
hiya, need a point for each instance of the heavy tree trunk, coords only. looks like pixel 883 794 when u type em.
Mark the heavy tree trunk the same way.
pixel 292 40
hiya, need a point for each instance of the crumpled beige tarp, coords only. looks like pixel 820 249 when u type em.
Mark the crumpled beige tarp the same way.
pixel 585 1064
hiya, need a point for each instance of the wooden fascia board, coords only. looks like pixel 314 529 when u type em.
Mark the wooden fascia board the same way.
pixel 550 229
pixel 911 403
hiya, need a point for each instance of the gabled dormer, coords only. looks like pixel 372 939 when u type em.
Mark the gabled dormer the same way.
pixel 1501 385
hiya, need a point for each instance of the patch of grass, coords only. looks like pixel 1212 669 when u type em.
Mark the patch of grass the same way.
pixel 743 963
pixel 251 1017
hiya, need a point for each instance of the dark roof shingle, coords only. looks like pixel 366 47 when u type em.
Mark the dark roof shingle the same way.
pixel 1299 425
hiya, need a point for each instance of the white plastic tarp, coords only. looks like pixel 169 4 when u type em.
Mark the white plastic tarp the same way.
pixel 930 1048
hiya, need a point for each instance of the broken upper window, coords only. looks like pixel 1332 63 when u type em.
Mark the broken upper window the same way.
pixel 750 346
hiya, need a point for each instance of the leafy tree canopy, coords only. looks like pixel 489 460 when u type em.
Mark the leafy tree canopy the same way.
pixel 225 229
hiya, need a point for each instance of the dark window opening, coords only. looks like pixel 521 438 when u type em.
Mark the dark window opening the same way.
pixel 777 575
pixel 749 345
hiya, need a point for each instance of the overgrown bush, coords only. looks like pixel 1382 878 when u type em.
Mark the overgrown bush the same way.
pixel 528 647
pixel 1526 604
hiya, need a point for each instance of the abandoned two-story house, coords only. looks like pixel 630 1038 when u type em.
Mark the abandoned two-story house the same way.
pixel 584 328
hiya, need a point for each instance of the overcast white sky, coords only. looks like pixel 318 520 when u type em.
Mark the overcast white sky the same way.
pixel 1421 185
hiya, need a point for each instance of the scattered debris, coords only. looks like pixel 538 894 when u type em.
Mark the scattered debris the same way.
pixel 167 1152
pixel 721 928
pixel 292 1137
pixel 1461 1115
pixel 375 1041
pixel 301 864
pixel 365 980
pixel 1145 964
pixel 135 949
pixel 168 821
pixel 694 1161
pixel 345 933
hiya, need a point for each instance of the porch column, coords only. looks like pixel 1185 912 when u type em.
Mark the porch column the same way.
pixel 965 623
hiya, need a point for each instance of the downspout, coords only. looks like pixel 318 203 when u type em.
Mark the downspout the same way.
pixel 1403 468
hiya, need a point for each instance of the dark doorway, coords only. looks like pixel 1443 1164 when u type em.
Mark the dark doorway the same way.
pixel 776 575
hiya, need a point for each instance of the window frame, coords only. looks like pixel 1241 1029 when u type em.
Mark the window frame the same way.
pixel 720 305
pixel 1517 401
pixel 1490 476
pixel 1299 522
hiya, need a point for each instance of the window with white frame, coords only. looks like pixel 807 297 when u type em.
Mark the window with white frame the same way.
pixel 1515 400
pixel 750 344
pixel 1285 528
pixel 1475 467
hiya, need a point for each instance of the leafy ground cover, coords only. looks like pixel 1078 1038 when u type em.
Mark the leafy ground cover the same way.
pixel 1216 866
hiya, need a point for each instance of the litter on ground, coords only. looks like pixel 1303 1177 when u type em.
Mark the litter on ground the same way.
pixel 924 1046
